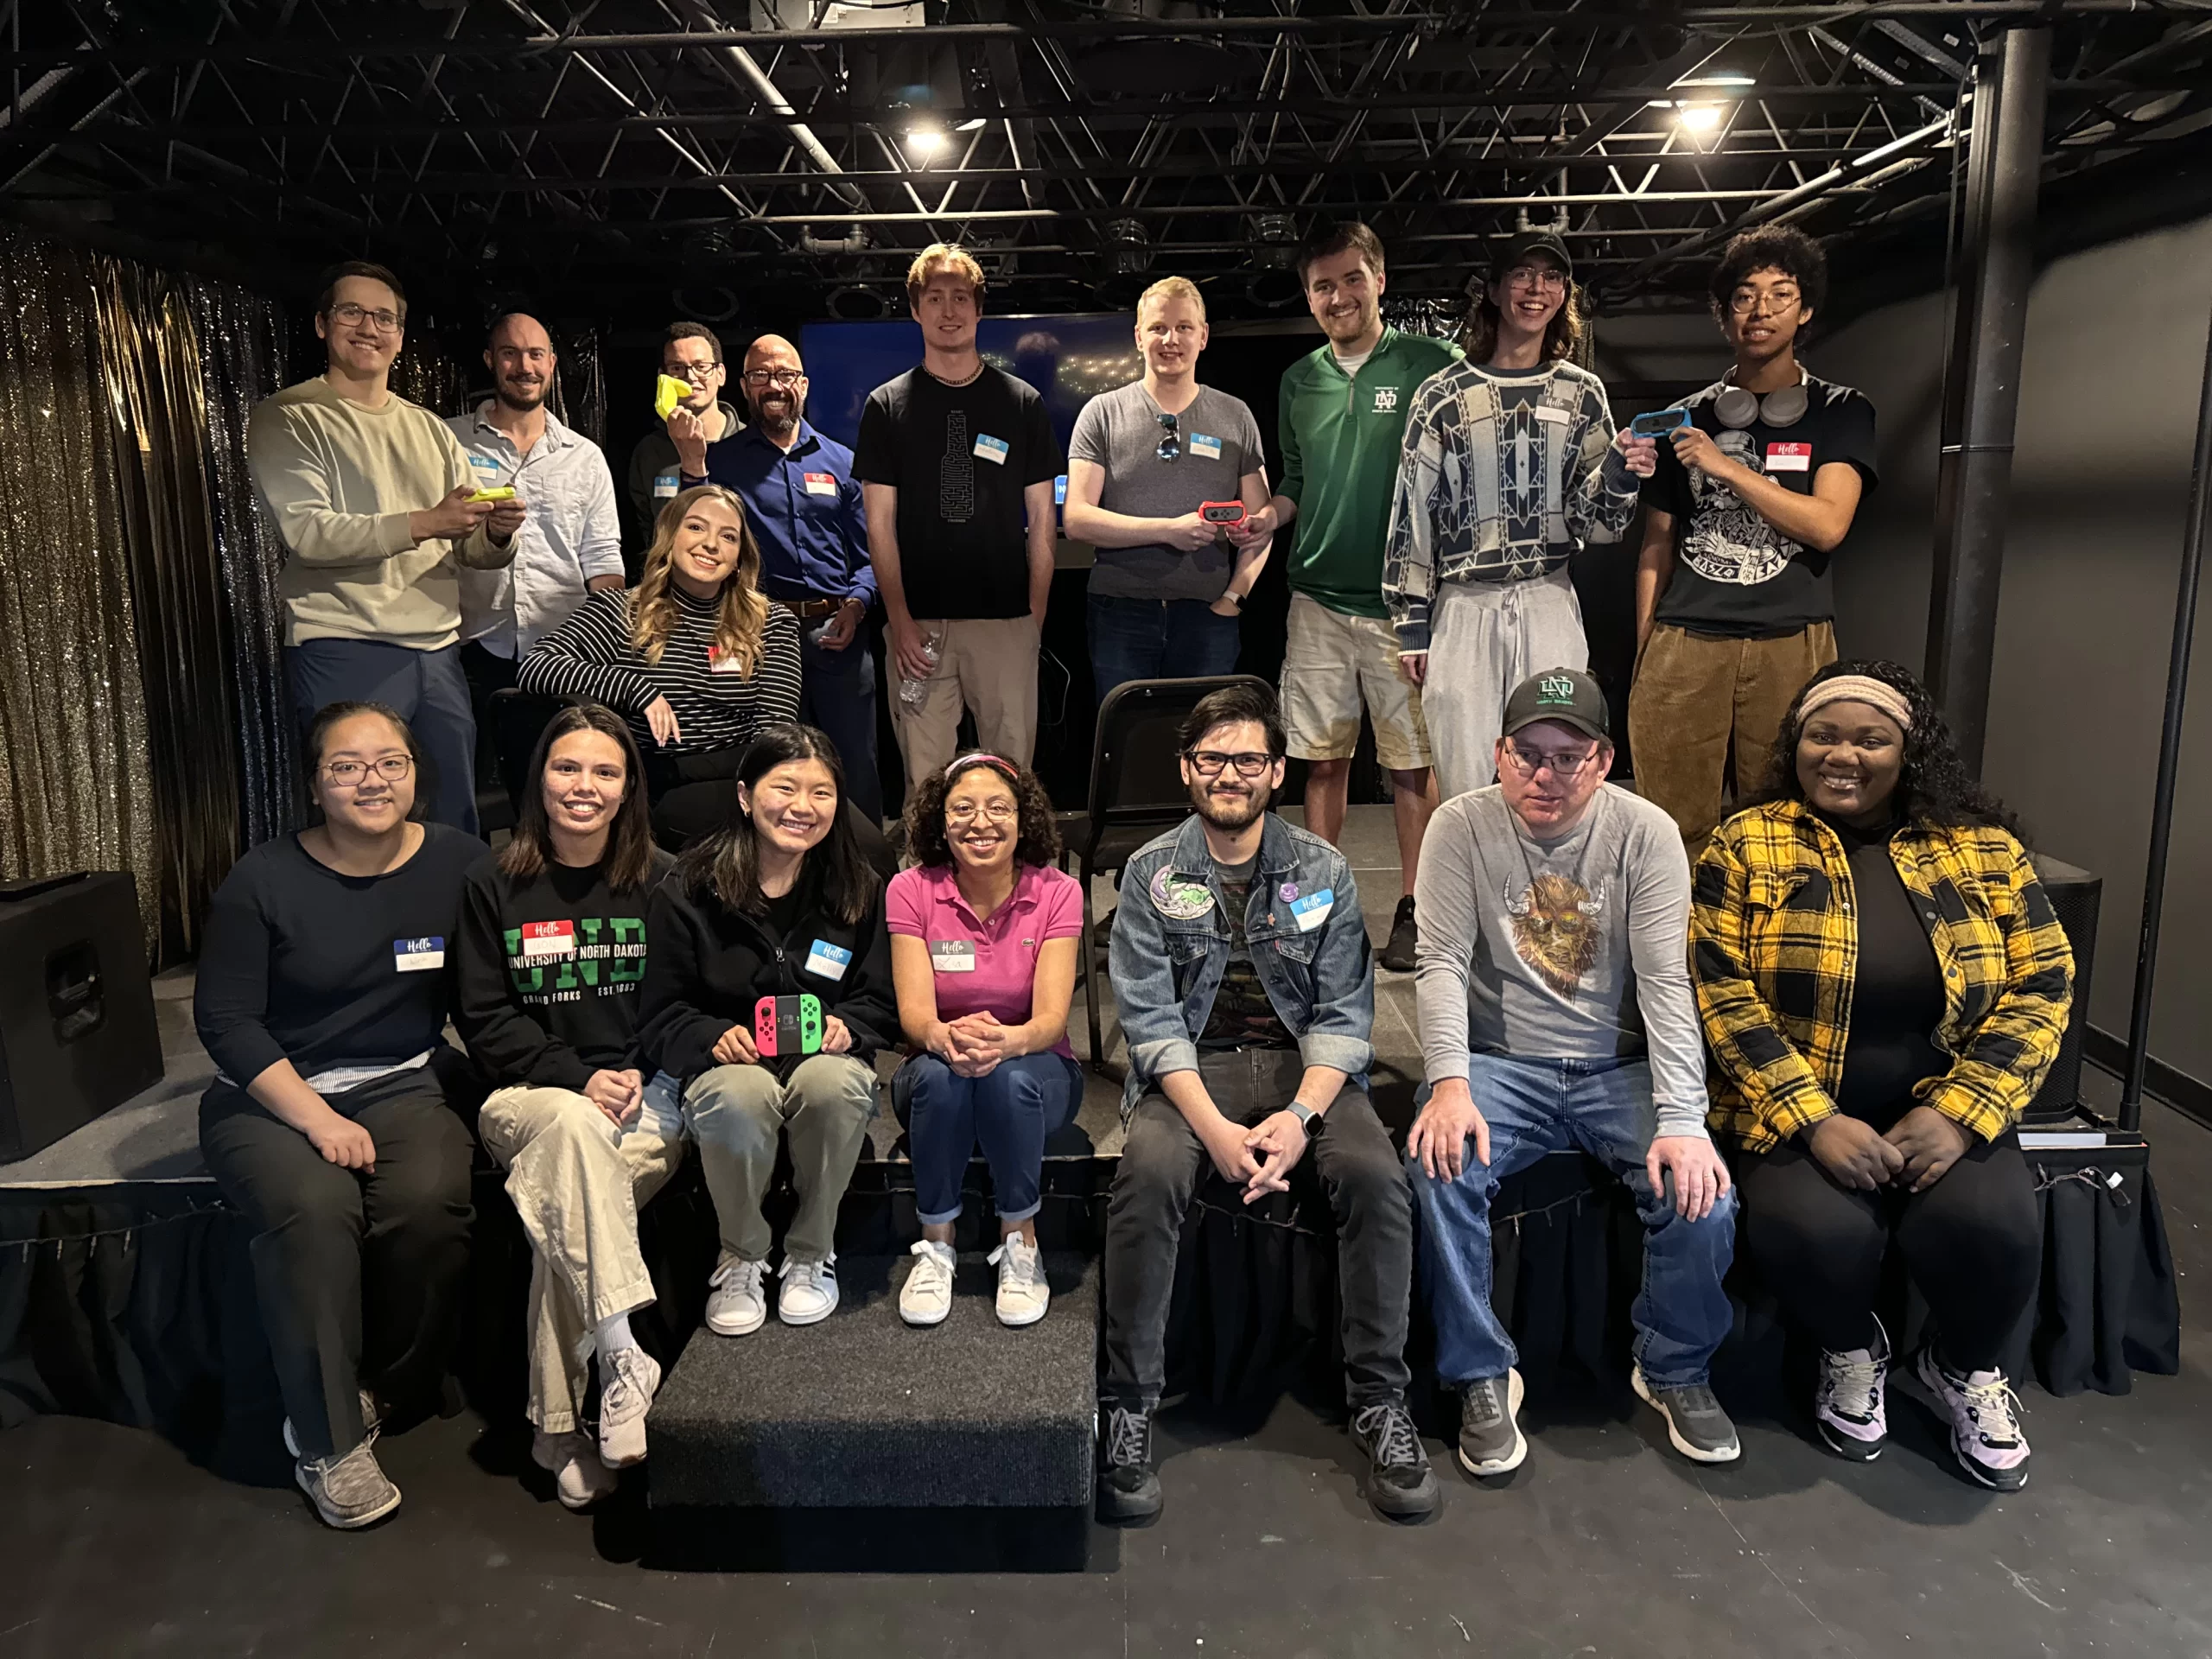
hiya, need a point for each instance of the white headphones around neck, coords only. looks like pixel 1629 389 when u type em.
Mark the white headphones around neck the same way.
pixel 1737 409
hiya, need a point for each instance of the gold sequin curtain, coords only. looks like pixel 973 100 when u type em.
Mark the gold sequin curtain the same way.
pixel 77 789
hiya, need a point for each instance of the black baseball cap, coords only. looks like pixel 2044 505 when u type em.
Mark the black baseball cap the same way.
pixel 1515 249
pixel 1569 695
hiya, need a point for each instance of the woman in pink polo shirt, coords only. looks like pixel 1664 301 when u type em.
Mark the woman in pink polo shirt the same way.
pixel 984 934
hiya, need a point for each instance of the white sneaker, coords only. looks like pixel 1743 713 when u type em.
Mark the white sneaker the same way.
pixel 1023 1295
pixel 579 1477
pixel 737 1306
pixel 926 1297
pixel 808 1291
pixel 628 1379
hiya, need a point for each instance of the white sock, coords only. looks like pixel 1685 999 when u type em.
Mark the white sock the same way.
pixel 614 1334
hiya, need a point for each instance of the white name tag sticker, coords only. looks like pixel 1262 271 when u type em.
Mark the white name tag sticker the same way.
pixel 665 485
pixel 718 662
pixel 828 961
pixel 1204 448
pixel 953 956
pixel 994 451
pixel 485 465
pixel 1313 909
pixel 548 939
pixel 418 956
pixel 1790 457
pixel 821 484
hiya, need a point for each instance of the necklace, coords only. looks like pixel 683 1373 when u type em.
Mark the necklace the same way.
pixel 956 384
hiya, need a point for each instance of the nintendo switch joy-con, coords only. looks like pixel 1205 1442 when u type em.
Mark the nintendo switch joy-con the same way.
pixel 786 1026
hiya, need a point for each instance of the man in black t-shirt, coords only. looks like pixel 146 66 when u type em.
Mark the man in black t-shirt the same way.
pixel 1735 604
pixel 956 462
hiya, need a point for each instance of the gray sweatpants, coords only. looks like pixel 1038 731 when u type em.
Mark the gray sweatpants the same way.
pixel 1485 638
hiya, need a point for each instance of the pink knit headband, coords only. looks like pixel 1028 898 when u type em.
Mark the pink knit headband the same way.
pixel 1858 688
pixel 979 758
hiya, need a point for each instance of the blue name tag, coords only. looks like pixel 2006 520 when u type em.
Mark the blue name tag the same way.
pixel 664 485
pixel 1313 909
pixel 1060 491
pixel 828 961
pixel 415 955
pixel 1204 448
pixel 486 464
pixel 994 451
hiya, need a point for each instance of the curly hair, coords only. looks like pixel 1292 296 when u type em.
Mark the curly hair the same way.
pixel 1037 842
pixel 1935 786
pixel 744 618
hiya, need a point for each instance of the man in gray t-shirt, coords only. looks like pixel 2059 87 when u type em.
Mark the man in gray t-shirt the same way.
pixel 1144 460
pixel 1556 1011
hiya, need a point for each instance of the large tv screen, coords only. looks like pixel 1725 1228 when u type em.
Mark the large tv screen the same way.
pixel 1068 359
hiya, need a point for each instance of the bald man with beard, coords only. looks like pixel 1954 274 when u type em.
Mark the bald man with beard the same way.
pixel 806 513
pixel 570 541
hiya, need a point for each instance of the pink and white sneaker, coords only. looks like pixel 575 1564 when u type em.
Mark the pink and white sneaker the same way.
pixel 1986 1434
pixel 1847 1400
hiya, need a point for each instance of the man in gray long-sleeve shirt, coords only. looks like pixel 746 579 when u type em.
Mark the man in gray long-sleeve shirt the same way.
pixel 1556 1011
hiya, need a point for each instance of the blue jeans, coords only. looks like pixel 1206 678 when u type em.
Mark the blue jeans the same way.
pixel 426 689
pixel 837 693
pixel 1536 1107
pixel 1011 1110
pixel 1157 639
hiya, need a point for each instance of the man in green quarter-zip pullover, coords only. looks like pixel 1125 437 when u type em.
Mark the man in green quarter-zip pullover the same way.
pixel 1343 418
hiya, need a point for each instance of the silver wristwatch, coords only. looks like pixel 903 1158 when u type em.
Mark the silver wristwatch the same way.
pixel 1306 1115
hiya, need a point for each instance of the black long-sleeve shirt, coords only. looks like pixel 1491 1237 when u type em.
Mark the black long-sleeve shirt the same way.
pixel 550 966
pixel 304 964
pixel 590 656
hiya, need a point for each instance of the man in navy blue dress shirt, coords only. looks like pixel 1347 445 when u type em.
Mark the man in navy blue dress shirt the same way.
pixel 806 510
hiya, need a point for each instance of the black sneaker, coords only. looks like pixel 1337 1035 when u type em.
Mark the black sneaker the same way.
pixel 1405 938
pixel 1701 1430
pixel 1128 1489
pixel 1490 1442
pixel 1400 1484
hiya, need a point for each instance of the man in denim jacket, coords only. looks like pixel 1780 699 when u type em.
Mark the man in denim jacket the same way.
pixel 1242 971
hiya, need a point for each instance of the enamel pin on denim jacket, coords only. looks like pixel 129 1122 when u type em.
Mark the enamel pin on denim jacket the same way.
pixel 1303 926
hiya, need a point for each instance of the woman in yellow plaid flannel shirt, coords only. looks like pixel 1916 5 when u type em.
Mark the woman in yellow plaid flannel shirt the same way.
pixel 1883 984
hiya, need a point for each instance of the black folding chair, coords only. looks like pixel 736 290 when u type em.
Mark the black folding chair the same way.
pixel 1136 790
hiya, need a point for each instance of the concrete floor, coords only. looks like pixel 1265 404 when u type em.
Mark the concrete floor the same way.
pixel 1603 1544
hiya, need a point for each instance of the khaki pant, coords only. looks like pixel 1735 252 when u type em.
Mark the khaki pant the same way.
pixel 577 1182
pixel 1704 713
pixel 736 1112
pixel 987 665
pixel 1333 665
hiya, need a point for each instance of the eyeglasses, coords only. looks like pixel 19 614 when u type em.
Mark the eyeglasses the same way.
pixel 1208 763
pixel 691 371
pixel 1172 445
pixel 347 773
pixel 1566 767
pixel 349 315
pixel 1744 300
pixel 990 812
pixel 1537 277
pixel 786 379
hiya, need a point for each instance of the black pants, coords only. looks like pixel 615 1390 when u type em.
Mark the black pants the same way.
pixel 487 672
pixel 1161 1164
pixel 358 1274
pixel 1971 1243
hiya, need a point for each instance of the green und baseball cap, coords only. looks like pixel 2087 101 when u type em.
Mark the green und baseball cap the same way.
pixel 1569 695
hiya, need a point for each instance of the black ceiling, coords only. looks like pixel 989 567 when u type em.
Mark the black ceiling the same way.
pixel 602 155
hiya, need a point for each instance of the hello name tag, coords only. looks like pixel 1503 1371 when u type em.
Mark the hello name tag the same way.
pixel 666 485
pixel 828 961
pixel 488 466
pixel 953 956
pixel 1313 909
pixel 994 451
pixel 721 662
pixel 1790 457
pixel 1204 448
pixel 418 956
pixel 548 939
pixel 821 484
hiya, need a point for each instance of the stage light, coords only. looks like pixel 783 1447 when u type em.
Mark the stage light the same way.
pixel 976 125
pixel 925 141
pixel 1698 118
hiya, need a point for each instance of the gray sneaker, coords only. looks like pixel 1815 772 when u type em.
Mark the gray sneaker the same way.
pixel 1490 1442
pixel 1695 1423
pixel 348 1491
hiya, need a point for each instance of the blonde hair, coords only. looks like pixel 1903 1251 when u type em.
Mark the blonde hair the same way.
pixel 1173 288
pixel 744 618
pixel 937 260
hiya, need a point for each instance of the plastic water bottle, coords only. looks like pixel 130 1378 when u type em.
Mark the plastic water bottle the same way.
pixel 911 692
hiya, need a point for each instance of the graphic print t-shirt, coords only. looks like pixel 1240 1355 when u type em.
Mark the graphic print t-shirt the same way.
pixel 1735 575
pixel 1242 1016
pixel 960 457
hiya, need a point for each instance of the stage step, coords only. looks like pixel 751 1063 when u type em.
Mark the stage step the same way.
pixel 863 1412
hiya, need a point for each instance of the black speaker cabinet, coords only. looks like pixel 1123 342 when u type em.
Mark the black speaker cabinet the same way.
pixel 77 1029
pixel 2074 894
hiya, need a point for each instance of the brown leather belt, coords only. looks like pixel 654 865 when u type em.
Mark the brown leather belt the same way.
pixel 807 609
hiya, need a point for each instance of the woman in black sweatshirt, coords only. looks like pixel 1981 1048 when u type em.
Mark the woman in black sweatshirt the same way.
pixel 552 954
pixel 780 905
pixel 321 996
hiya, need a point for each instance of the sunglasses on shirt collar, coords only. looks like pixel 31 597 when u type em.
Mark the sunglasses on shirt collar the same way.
pixel 1172 445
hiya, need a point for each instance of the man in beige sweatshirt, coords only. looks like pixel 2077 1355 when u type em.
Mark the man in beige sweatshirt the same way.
pixel 370 494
